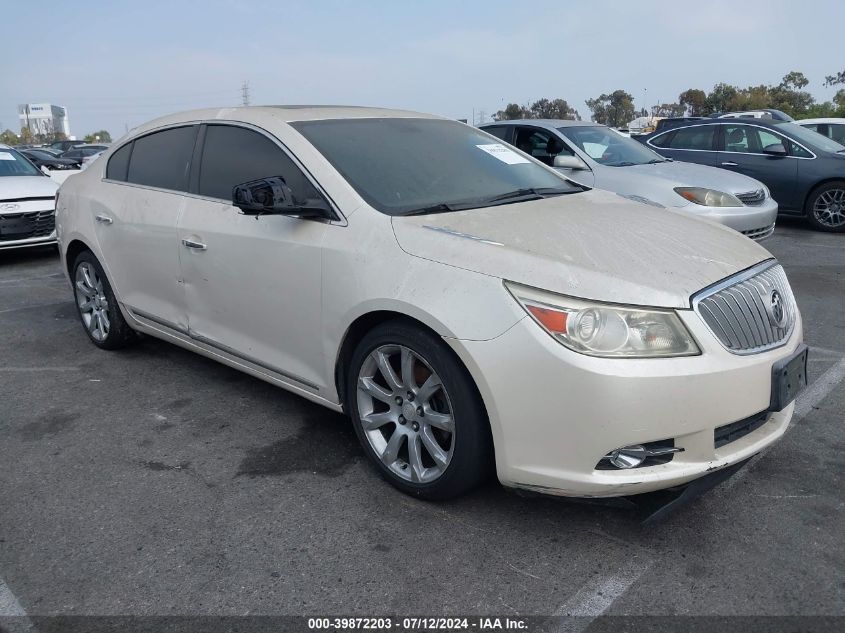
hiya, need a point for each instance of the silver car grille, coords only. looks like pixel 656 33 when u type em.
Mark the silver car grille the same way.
pixel 752 198
pixel 751 312
pixel 761 233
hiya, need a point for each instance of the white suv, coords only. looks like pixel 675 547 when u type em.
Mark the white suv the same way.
pixel 27 203
pixel 466 305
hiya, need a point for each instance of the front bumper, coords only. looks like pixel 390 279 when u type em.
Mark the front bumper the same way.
pixel 757 221
pixel 554 413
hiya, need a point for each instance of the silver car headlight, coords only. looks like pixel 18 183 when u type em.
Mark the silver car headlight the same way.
pixel 607 330
pixel 708 197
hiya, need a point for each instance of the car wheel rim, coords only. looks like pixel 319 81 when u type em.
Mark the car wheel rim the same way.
pixel 829 208
pixel 406 414
pixel 92 302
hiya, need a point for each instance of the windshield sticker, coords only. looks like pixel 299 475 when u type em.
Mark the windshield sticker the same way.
pixel 6 156
pixel 503 153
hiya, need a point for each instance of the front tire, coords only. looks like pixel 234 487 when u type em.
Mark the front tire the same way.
pixel 826 207
pixel 417 412
pixel 96 305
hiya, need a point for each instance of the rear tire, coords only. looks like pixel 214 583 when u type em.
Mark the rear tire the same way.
pixel 417 412
pixel 825 207
pixel 97 306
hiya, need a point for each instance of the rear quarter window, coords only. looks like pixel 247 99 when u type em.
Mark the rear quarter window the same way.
pixel 162 159
pixel 119 163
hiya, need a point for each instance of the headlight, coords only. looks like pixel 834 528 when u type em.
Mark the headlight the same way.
pixel 708 197
pixel 600 329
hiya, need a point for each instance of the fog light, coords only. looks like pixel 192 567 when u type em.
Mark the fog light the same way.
pixel 636 454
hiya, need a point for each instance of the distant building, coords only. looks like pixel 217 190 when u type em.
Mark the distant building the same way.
pixel 44 118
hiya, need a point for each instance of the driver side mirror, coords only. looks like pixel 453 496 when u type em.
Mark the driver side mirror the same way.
pixel 775 149
pixel 273 196
pixel 569 162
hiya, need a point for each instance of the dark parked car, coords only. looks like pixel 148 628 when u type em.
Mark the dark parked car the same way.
pixel 78 153
pixel 804 170
pixel 40 159
pixel 64 146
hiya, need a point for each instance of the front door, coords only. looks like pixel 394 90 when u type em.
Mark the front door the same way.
pixel 743 153
pixel 253 283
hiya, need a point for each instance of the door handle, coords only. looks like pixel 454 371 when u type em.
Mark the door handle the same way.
pixel 103 219
pixel 197 246
pixel 730 164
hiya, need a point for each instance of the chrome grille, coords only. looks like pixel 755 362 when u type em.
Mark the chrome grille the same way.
pixel 752 198
pixel 761 233
pixel 740 310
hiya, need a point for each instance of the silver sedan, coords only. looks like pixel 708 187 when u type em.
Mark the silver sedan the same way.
pixel 597 156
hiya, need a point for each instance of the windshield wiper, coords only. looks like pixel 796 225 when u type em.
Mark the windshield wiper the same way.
pixel 530 193
pixel 656 160
pixel 440 207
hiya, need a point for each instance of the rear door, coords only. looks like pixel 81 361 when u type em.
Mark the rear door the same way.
pixel 742 152
pixel 253 283
pixel 135 222
pixel 691 144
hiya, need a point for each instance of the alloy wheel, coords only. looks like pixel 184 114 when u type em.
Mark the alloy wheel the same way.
pixel 92 302
pixel 829 208
pixel 405 413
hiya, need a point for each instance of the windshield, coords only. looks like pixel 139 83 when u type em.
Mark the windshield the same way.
pixel 607 147
pixel 811 137
pixel 37 153
pixel 13 164
pixel 407 165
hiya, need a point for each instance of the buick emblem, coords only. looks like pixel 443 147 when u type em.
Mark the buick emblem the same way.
pixel 776 310
pixel 9 206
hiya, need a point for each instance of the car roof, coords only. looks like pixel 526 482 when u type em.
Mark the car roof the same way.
pixel 821 120
pixel 275 114
pixel 552 124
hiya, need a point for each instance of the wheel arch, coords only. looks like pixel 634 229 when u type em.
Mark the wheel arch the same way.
pixel 74 248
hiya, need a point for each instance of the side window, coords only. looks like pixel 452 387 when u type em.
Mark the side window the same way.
pixel 699 137
pixel 814 127
pixel 499 131
pixel 737 139
pixel 162 159
pixel 541 144
pixel 767 138
pixel 836 131
pixel 235 155
pixel 662 140
pixel 119 163
pixel 795 149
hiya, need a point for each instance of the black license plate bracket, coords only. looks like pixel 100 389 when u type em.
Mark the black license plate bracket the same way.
pixel 789 378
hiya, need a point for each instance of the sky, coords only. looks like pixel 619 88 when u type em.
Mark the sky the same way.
pixel 115 64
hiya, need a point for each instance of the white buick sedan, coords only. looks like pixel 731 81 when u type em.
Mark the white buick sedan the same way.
pixel 467 306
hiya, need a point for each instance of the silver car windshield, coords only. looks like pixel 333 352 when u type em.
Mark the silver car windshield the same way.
pixel 403 166
pixel 609 148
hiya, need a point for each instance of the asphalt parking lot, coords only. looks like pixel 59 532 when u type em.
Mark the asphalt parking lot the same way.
pixel 153 481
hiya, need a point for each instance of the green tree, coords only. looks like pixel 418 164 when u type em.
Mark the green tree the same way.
pixel 554 109
pixel 7 137
pixel 615 109
pixel 26 136
pixel 835 80
pixel 98 137
pixel 719 99
pixel 668 110
pixel 694 101
pixel 513 111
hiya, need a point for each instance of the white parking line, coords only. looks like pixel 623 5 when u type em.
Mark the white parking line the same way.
pixel 820 389
pixel 597 596
pixel 9 605
pixel 804 404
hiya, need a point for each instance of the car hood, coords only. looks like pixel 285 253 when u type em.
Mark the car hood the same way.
pixel 657 181
pixel 592 245
pixel 14 187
